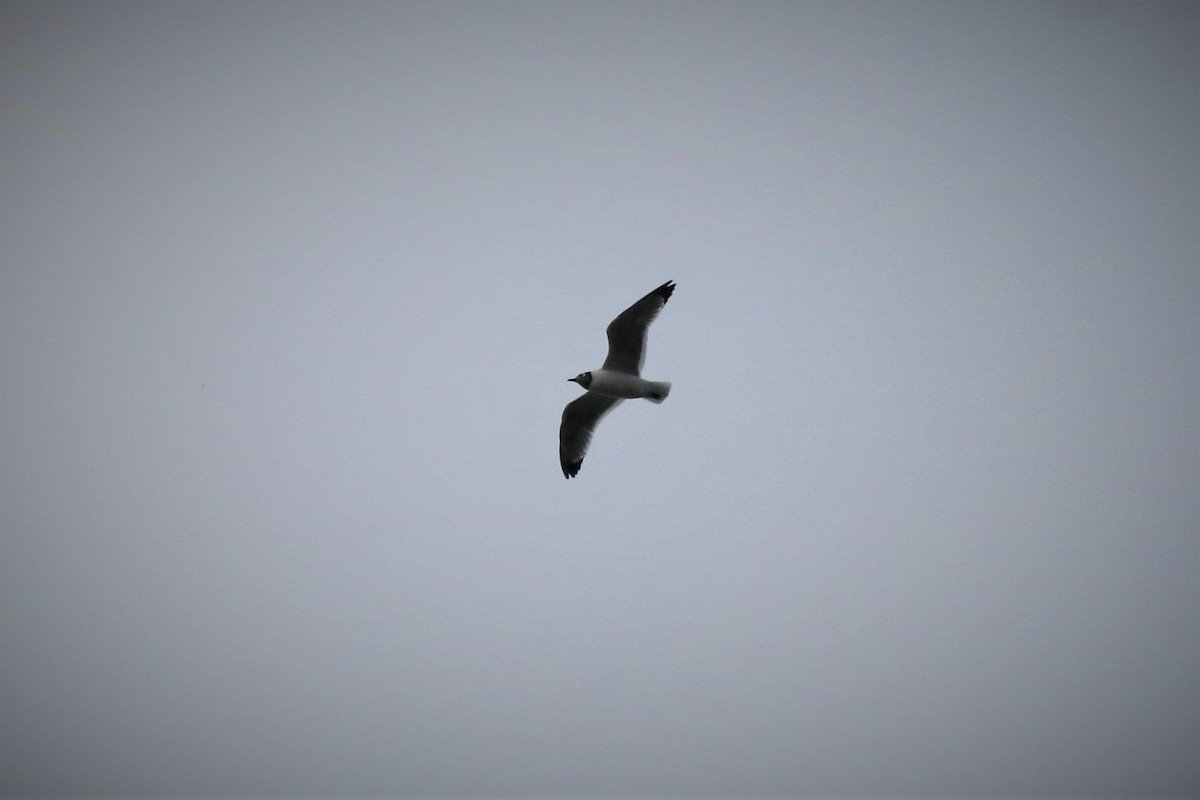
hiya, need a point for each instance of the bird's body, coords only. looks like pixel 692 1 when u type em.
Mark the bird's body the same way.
pixel 625 386
pixel 619 379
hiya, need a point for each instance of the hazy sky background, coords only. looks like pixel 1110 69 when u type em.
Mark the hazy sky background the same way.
pixel 290 294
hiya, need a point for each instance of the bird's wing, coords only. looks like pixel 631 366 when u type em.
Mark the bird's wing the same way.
pixel 579 419
pixel 627 333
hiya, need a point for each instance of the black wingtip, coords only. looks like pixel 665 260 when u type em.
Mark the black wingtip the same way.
pixel 665 290
pixel 570 470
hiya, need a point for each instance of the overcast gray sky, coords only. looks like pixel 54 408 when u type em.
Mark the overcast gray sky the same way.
pixel 289 296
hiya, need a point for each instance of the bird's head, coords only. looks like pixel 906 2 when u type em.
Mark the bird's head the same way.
pixel 584 379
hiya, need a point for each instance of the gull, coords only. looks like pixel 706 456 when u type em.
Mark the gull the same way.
pixel 618 379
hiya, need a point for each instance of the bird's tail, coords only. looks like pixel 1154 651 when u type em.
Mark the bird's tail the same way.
pixel 658 391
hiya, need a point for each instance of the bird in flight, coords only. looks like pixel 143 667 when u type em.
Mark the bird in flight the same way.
pixel 618 379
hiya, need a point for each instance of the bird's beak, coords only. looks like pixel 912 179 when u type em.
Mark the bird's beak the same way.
pixel 571 380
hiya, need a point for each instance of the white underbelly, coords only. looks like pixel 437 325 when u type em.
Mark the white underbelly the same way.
pixel 619 384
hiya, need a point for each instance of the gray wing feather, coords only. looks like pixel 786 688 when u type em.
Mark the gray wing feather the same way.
pixel 627 333
pixel 579 420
